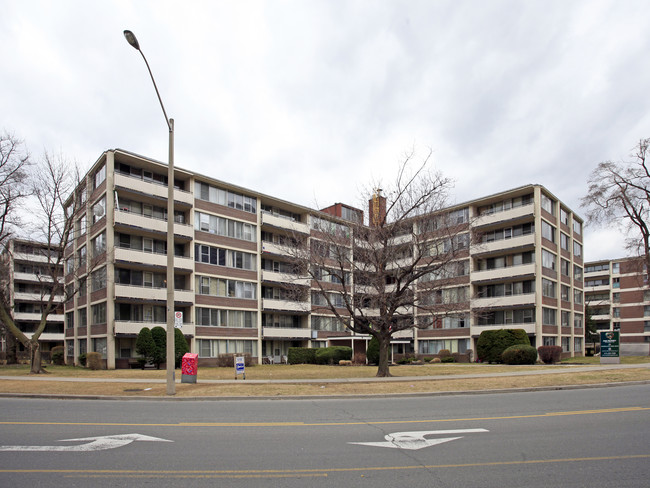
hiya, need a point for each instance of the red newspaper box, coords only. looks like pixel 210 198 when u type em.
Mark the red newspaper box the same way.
pixel 189 367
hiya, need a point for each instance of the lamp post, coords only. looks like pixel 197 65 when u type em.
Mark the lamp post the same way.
pixel 171 385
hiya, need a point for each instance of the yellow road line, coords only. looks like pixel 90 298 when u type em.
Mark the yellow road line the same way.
pixel 332 424
pixel 322 472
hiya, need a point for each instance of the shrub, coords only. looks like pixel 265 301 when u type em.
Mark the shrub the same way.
pixel 94 361
pixel 359 358
pixel 372 353
pixel 145 346
pixel 58 355
pixel 82 359
pixel 180 347
pixel 492 343
pixel 228 360
pixel 301 355
pixel 333 354
pixel 519 354
pixel 448 359
pixel 159 336
pixel 444 352
pixel 549 354
pixel 435 360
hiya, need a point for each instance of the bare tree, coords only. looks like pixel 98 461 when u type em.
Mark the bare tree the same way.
pixel 376 278
pixel 52 182
pixel 619 193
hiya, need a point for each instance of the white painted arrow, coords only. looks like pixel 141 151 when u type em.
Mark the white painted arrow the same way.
pixel 415 440
pixel 100 443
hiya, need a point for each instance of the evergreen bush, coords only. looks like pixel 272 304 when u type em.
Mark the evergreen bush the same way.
pixel 301 355
pixel 519 354
pixel 159 335
pixel 180 346
pixel 372 353
pixel 82 359
pixel 492 343
pixel 145 346
pixel 333 354
pixel 58 355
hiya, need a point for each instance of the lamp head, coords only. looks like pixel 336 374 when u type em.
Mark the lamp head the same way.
pixel 131 39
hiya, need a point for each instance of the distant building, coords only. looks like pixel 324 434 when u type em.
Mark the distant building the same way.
pixel 232 268
pixel 28 282
pixel 617 297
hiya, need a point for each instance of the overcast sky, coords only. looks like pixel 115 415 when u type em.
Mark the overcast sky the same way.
pixel 312 101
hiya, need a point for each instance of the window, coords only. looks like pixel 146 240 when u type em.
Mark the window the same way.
pixel 548 231
pixel 98 280
pixel 209 193
pixel 225 227
pixel 577 321
pixel 548 204
pixel 577 227
pixel 616 312
pixel 549 341
pixel 577 272
pixel 206 285
pixel 99 244
pixel 549 316
pixel 69 265
pixel 82 317
pixel 577 296
pixel 100 176
pixel 548 259
pixel 99 209
pixel 616 268
pixel 564 216
pixel 565 291
pixel 565 316
pixel 98 314
pixel 577 249
pixel 566 344
pixel 616 282
pixel 577 344
pixel 564 241
pixel 81 225
pixel 99 345
pixel 548 288
pixel 214 317
pixel 565 267
pixel 69 320
pixel 616 297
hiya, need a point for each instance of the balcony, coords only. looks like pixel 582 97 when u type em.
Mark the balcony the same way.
pixel 18 276
pixel 507 301
pixel 501 273
pixel 284 223
pixel 276 277
pixel 273 248
pixel 149 223
pixel 151 188
pixel 503 244
pixel 33 258
pixel 153 259
pixel 285 333
pixel 35 297
pixel 269 304
pixel 151 294
pixel 506 215
pixel 476 330
pixel 36 317
pixel 133 328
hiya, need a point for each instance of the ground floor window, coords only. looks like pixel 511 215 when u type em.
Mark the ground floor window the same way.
pixel 577 344
pixel 549 341
pixel 70 348
pixel 212 348
pixel 99 345
pixel 566 344
pixel 435 346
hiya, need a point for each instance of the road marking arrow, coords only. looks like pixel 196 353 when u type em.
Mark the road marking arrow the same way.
pixel 415 440
pixel 100 443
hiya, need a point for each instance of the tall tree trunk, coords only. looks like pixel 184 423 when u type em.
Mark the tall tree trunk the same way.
pixel 35 357
pixel 12 346
pixel 384 356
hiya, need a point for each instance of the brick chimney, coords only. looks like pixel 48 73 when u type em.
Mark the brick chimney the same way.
pixel 377 209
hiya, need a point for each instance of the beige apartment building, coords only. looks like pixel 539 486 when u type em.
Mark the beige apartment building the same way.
pixel 28 282
pixel 522 268
pixel 617 297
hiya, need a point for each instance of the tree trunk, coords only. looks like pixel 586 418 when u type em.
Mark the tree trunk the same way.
pixel 384 356
pixel 35 357
pixel 12 346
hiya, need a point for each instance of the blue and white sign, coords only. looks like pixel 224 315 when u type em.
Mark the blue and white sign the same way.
pixel 239 366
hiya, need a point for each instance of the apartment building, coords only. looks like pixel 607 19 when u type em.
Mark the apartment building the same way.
pixel 617 297
pixel 239 292
pixel 28 281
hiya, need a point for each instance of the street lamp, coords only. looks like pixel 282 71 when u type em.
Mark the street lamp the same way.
pixel 171 385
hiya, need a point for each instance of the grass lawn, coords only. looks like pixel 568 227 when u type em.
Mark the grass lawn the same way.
pixel 451 382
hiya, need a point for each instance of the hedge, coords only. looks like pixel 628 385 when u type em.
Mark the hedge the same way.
pixel 94 360
pixel 301 355
pixel 519 354
pixel 549 354
pixel 322 355
pixel 57 355
pixel 492 343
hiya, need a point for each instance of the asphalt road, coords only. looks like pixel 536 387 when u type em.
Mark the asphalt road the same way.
pixel 577 438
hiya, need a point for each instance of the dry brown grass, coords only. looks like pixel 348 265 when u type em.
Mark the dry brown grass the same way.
pixel 243 389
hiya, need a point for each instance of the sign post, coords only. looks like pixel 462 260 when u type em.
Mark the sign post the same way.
pixel 240 366
pixel 610 347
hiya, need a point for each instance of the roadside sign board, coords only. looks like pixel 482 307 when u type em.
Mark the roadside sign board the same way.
pixel 178 320
pixel 239 366
pixel 609 346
